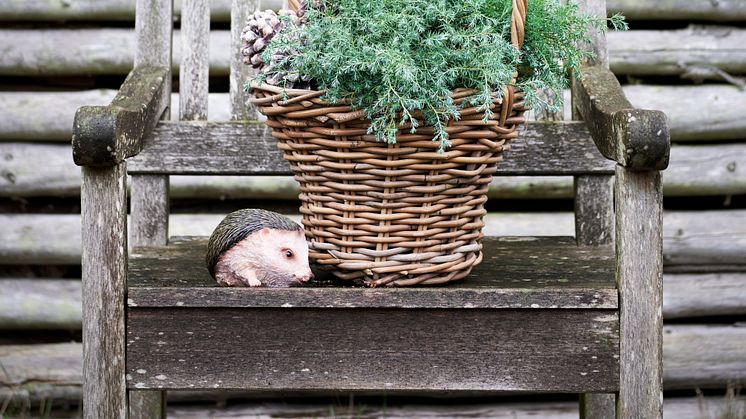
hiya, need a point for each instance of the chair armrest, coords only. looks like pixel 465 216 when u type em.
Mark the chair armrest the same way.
pixel 637 139
pixel 106 135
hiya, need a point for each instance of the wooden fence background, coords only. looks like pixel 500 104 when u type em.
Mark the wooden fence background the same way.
pixel 685 57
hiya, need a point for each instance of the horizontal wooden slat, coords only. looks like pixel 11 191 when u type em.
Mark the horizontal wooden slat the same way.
pixel 103 10
pixel 704 240
pixel 687 52
pixel 523 273
pixel 695 113
pixel 720 10
pixel 393 349
pixel 705 355
pixel 709 294
pixel 41 10
pixel 40 304
pixel 673 408
pixel 48 116
pixel 68 52
pixel 247 148
pixel 684 296
pixel 694 356
pixel 47 170
pixel 41 372
pixel 111 50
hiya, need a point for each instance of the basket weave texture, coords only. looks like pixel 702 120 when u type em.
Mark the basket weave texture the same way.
pixel 392 214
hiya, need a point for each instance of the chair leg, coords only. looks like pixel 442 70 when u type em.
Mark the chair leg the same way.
pixel 147 404
pixel 104 270
pixel 638 200
pixel 598 406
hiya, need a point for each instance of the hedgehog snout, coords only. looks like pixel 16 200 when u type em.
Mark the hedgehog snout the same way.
pixel 304 277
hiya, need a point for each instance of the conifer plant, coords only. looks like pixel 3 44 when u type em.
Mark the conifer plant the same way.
pixel 399 60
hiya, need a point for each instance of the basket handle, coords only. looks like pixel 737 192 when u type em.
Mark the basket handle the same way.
pixel 294 5
pixel 517 21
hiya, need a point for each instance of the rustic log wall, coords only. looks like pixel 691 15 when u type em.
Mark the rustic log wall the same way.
pixel 694 72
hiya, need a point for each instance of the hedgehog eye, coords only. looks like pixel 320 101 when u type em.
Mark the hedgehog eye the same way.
pixel 288 253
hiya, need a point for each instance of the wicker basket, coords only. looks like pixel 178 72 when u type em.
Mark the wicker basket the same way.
pixel 392 214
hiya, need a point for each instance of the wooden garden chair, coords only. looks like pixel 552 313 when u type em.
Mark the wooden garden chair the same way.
pixel 555 314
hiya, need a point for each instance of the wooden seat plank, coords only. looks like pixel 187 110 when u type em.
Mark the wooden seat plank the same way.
pixel 247 148
pixel 526 272
pixel 373 349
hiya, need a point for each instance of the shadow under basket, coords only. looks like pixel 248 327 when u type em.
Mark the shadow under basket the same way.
pixel 390 214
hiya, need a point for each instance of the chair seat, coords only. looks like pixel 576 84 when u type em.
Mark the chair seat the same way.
pixel 539 314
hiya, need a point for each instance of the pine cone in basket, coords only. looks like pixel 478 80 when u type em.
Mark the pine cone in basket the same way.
pixel 261 27
pixel 315 4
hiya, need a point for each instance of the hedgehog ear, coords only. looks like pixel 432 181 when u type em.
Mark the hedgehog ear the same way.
pixel 264 233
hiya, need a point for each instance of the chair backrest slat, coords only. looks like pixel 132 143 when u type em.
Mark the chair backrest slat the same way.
pixel 154 30
pixel 149 193
pixel 594 208
pixel 247 148
pixel 240 73
pixel 195 56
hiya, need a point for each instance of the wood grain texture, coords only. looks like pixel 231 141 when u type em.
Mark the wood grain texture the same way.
pixel 706 356
pixel 597 405
pixel 373 349
pixel 195 65
pixel 101 51
pixel 720 11
pixel 693 240
pixel 594 209
pixel 109 10
pixel 146 404
pixel 154 39
pixel 123 10
pixel 29 170
pixel 639 249
pixel 27 304
pixel 45 116
pixel 635 138
pixel 106 135
pixel 150 203
pixel 48 116
pixel 150 210
pixel 692 351
pixel 674 408
pixel 597 43
pixel 248 148
pixel 42 371
pixel 593 198
pixel 239 72
pixel 716 120
pixel 153 33
pixel 516 273
pixel 110 51
pixel 719 240
pixel 55 304
pixel 701 241
pixel 104 270
pixel 700 295
pixel 686 52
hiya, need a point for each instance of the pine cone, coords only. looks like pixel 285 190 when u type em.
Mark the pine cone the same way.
pixel 315 4
pixel 261 27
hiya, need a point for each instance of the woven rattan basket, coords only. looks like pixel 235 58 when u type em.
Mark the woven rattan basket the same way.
pixel 392 214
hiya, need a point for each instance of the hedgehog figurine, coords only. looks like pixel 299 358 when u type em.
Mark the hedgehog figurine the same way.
pixel 258 248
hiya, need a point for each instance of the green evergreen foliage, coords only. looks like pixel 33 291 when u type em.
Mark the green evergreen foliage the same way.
pixel 400 59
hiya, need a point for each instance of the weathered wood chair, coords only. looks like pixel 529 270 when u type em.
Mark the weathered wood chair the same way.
pixel 554 314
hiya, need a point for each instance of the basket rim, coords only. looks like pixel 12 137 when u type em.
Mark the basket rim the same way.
pixel 295 95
